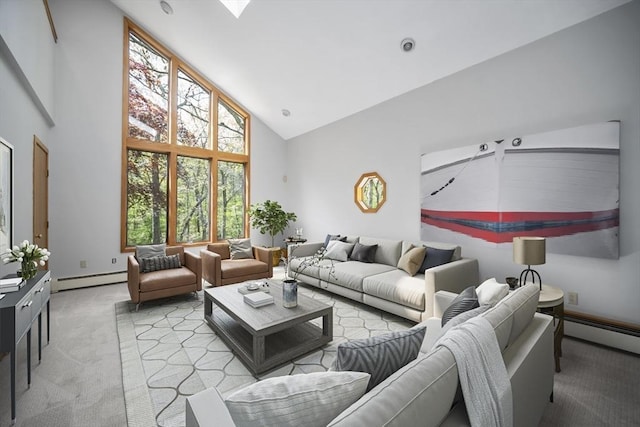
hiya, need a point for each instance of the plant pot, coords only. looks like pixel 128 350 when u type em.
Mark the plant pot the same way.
pixel 276 253
pixel 289 293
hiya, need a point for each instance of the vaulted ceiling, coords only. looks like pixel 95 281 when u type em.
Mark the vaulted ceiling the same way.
pixel 324 60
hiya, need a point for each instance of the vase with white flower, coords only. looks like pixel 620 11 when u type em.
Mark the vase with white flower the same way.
pixel 30 256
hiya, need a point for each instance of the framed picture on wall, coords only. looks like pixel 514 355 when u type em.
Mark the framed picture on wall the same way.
pixel 6 195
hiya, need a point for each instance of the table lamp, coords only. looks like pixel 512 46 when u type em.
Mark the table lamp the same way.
pixel 529 251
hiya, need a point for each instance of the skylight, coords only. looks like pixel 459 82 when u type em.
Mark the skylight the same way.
pixel 235 6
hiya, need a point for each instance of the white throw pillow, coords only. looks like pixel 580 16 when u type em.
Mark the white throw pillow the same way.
pixel 338 250
pixel 297 400
pixel 490 292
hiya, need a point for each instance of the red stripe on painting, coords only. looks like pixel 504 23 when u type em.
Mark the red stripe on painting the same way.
pixel 518 216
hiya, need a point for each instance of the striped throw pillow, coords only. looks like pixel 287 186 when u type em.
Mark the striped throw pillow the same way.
pixel 380 356
pixel 465 301
pixel 156 263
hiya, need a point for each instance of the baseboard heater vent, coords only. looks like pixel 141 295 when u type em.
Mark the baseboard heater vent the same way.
pixel 76 282
pixel 603 323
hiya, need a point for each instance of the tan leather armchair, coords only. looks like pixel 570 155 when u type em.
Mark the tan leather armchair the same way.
pixel 164 283
pixel 219 269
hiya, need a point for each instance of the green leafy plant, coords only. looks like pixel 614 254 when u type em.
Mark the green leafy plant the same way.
pixel 270 218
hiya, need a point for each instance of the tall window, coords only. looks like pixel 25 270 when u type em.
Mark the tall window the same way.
pixel 185 151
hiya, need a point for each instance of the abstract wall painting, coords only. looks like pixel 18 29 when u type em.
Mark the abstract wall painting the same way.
pixel 562 185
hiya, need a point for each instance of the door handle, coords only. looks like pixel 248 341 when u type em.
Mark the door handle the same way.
pixel 39 236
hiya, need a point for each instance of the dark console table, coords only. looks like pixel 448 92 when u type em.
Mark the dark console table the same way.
pixel 18 310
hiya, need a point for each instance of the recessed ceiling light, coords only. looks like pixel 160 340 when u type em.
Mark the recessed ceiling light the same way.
pixel 407 44
pixel 166 7
pixel 286 112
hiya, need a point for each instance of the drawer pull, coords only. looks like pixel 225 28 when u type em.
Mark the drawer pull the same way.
pixel 27 304
pixel 40 290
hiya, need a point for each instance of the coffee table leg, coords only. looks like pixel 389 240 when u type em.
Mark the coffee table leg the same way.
pixel 327 324
pixel 258 350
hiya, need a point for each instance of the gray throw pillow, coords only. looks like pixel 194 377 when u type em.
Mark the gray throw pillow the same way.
pixel 380 356
pixel 240 248
pixel 435 257
pixel 162 262
pixel 148 251
pixel 363 253
pixel 465 301
pixel 338 251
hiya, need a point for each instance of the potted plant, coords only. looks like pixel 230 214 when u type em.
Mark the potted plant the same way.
pixel 270 218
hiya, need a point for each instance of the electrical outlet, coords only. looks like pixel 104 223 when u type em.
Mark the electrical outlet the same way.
pixel 113 260
pixel 83 264
pixel 573 298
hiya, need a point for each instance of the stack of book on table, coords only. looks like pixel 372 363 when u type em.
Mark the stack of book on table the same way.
pixel 258 299
pixel 11 284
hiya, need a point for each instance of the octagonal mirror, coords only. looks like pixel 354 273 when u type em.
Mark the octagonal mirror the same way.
pixel 370 192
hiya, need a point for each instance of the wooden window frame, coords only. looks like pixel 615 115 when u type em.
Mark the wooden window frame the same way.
pixel 172 149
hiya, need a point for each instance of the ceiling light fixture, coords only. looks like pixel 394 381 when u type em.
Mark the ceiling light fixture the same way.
pixel 166 7
pixel 236 7
pixel 407 44
pixel 286 112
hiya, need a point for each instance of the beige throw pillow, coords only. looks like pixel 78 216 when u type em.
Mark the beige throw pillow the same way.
pixel 412 259
pixel 240 248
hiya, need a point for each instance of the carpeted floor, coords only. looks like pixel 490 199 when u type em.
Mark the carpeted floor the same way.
pixel 179 354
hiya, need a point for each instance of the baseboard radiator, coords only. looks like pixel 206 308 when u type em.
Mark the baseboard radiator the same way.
pixel 65 283
pixel 612 333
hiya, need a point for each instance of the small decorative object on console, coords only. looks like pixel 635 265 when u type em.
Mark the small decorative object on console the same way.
pixel 289 293
pixel 30 256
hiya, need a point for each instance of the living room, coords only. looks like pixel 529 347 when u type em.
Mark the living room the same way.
pixel 587 73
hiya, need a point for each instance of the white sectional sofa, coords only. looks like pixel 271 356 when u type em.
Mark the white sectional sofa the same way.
pixel 426 392
pixel 382 284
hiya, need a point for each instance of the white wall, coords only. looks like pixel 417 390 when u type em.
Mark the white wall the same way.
pixel 85 144
pixel 27 41
pixel 588 73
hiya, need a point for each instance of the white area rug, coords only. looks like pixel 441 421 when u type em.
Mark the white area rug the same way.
pixel 169 353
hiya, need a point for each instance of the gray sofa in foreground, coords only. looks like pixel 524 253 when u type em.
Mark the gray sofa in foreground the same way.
pixel 426 392
pixel 382 284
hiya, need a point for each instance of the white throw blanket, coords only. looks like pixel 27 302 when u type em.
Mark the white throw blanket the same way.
pixel 483 376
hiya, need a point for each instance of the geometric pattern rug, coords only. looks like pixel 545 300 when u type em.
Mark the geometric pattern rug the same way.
pixel 168 352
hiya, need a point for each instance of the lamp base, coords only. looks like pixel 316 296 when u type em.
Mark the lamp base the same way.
pixel 525 274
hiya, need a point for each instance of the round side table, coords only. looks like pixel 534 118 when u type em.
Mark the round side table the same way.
pixel 551 301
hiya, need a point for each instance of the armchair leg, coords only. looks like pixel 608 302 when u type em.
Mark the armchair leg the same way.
pixel 138 306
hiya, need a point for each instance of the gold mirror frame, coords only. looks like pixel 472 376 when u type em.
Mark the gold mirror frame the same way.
pixel 370 192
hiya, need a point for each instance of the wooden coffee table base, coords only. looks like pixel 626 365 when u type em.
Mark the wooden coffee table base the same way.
pixel 275 345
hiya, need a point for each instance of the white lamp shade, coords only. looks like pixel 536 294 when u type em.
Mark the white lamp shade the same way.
pixel 529 250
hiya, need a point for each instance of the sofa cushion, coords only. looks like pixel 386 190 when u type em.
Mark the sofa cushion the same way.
pixel 167 279
pixel 242 267
pixel 240 249
pixel 363 253
pixel 435 257
pixel 465 301
pixel 411 260
pixel 162 262
pixel 379 356
pixel 490 292
pixel 420 393
pixel 148 251
pixel 388 251
pixel 513 313
pixel 350 274
pixel 396 286
pixel 296 400
pixel 338 250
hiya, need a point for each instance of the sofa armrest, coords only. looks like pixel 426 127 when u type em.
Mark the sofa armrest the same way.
pixel 211 267
pixel 194 263
pixel 264 255
pixel 133 278
pixel 305 249
pixel 207 408
pixel 454 276
pixel 441 301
